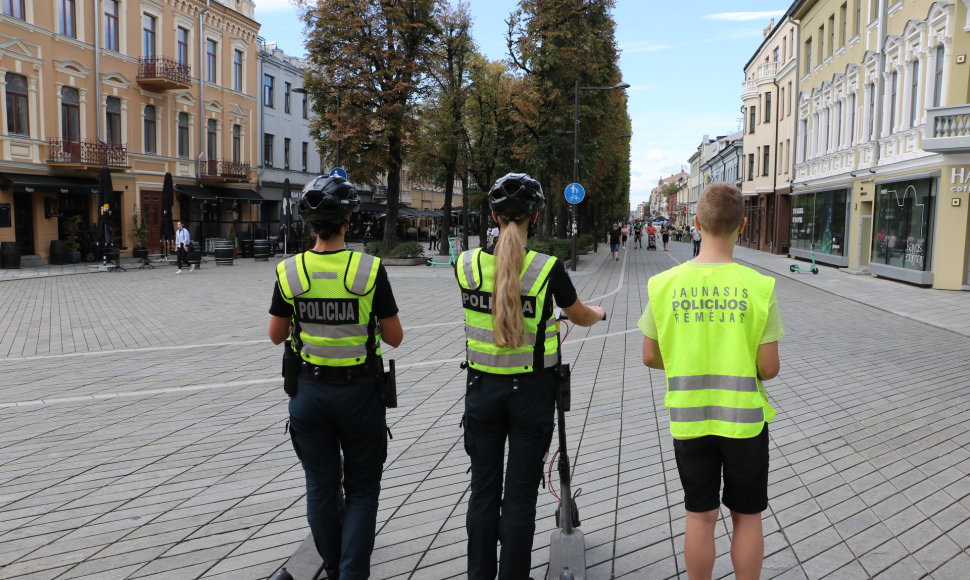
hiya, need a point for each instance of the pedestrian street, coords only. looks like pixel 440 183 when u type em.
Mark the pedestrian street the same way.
pixel 144 430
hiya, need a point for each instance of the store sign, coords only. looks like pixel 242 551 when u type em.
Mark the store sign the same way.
pixel 960 178
pixel 52 207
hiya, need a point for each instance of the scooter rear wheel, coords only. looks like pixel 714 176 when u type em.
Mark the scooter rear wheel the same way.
pixel 815 270
pixel 793 268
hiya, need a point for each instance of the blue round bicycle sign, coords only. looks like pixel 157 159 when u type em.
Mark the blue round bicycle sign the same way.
pixel 574 193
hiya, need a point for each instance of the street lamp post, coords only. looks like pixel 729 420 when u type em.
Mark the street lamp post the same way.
pixel 574 227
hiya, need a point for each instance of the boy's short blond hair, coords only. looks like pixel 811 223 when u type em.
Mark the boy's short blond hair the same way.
pixel 720 209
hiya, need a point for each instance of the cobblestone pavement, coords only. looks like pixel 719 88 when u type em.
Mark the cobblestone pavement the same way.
pixel 143 430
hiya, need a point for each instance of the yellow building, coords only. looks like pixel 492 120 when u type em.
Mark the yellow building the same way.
pixel 883 138
pixel 90 84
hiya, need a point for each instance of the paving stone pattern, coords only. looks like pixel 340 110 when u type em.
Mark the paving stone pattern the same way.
pixel 144 430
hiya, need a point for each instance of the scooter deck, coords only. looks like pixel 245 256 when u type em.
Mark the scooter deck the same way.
pixel 305 563
pixel 567 552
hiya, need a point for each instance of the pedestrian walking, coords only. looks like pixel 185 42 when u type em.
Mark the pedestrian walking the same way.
pixel 613 238
pixel 183 245
pixel 338 306
pixel 433 237
pixel 717 340
pixel 665 238
pixel 695 236
pixel 512 350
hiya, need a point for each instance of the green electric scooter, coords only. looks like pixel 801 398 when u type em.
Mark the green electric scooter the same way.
pixel 798 269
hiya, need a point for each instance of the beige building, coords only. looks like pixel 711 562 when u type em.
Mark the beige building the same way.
pixel 883 137
pixel 90 84
pixel 769 99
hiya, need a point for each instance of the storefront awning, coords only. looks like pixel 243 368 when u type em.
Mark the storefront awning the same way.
pixel 372 207
pixel 27 183
pixel 217 193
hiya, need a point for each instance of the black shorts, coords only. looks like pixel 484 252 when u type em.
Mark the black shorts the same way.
pixel 745 465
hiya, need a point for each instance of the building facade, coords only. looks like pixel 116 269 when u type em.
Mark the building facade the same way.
pixel 769 116
pixel 141 88
pixel 882 148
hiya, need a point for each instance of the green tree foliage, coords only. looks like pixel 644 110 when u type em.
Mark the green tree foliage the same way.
pixel 554 44
pixel 368 63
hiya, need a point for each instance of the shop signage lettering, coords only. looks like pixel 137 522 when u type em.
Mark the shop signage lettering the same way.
pixel 914 253
pixel 960 178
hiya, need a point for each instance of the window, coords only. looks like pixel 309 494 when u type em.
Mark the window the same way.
pixel 211 50
pixel 938 77
pixel 750 166
pixel 66 18
pixel 808 55
pixel 304 106
pixel 820 49
pixel 893 88
pixel 903 222
pixel 914 95
pixel 837 134
pixel 781 104
pixel 751 119
pixel 286 97
pixel 112 117
pixel 182 48
pixel 766 160
pixel 850 121
pixel 14 8
pixel 306 148
pixel 857 21
pixel 111 24
pixel 236 143
pixel 843 16
pixel 237 69
pixel 286 153
pixel 267 150
pixel 767 107
pixel 871 97
pixel 150 129
pixel 17 104
pixel 148 35
pixel 268 90
pixel 820 219
pixel 183 135
pixel 777 54
pixel 211 140
pixel 70 114
pixel 831 46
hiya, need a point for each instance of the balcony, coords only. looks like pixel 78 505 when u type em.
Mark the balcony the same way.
pixel 163 74
pixel 222 171
pixel 766 71
pixel 84 155
pixel 947 129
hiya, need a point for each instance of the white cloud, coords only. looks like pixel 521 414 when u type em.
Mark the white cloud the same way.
pixel 643 46
pixel 744 16
pixel 273 5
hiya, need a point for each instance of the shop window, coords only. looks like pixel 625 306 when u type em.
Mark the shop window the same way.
pixel 904 212
pixel 820 219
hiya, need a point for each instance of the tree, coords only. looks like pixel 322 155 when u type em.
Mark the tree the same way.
pixel 437 154
pixel 368 63
pixel 554 44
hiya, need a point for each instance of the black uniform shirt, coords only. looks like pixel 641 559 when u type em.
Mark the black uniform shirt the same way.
pixel 384 304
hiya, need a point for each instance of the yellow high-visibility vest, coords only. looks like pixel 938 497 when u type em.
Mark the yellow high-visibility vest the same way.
pixel 710 320
pixel 540 347
pixel 332 297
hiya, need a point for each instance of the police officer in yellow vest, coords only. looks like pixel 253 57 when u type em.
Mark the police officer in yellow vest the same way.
pixel 512 350
pixel 339 307
pixel 713 326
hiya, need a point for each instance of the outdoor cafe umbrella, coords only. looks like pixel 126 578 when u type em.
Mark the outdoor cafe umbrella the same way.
pixel 105 206
pixel 168 199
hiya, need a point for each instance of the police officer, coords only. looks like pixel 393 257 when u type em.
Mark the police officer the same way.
pixel 338 306
pixel 512 351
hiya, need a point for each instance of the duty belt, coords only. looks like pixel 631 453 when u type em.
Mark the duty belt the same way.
pixel 348 373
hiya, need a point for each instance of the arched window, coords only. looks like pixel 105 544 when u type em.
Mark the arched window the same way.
pixel 17 112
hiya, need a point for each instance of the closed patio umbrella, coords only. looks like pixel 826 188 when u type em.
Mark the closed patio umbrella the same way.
pixel 167 232
pixel 106 206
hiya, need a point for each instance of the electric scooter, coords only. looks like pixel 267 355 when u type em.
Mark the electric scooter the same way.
pixel 798 269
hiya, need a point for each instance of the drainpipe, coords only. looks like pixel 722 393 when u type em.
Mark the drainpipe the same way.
pixel 198 159
pixel 796 98
pixel 97 71
pixel 774 177
pixel 262 109
pixel 880 82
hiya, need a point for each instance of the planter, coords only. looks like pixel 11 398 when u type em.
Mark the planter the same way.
pixel 224 256
pixel 261 250
pixel 10 255
pixel 404 261
pixel 59 253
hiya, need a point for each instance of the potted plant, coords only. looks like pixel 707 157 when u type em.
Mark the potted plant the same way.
pixel 232 239
pixel 71 228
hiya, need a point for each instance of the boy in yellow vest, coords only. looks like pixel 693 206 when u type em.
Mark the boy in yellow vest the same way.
pixel 713 326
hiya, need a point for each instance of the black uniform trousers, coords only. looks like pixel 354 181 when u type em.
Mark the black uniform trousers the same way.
pixel 520 409
pixel 328 414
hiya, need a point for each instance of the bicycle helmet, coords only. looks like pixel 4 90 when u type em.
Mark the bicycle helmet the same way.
pixel 328 199
pixel 516 196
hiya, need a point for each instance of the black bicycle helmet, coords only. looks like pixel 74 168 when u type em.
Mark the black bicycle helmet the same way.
pixel 516 196
pixel 328 199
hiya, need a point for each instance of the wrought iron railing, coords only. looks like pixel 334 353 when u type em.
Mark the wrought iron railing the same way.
pixel 86 152
pixel 227 169
pixel 164 68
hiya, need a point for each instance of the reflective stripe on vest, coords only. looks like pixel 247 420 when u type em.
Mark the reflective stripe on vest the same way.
pixel 710 320
pixel 352 351
pixel 334 330
pixel 364 266
pixel 481 351
pixel 295 283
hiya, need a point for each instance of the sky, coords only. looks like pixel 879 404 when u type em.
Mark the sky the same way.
pixel 684 61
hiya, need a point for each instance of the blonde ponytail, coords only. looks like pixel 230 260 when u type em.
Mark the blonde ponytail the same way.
pixel 507 312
